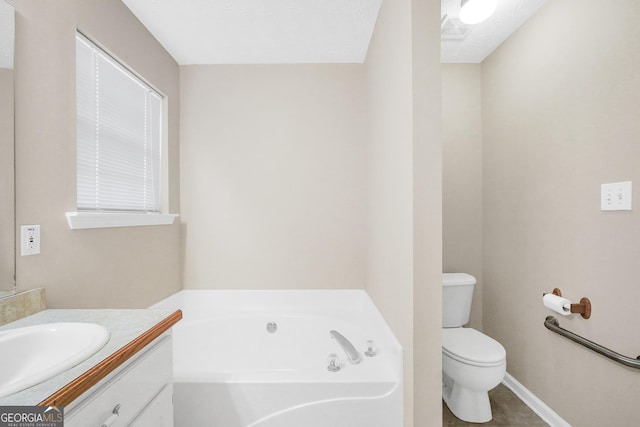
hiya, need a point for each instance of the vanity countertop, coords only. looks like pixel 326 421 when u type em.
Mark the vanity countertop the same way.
pixel 131 330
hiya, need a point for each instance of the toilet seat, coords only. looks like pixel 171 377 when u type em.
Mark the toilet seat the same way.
pixel 472 347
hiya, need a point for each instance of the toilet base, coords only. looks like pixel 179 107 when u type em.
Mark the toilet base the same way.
pixel 468 405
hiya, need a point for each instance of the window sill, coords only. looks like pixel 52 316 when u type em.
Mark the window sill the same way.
pixel 83 220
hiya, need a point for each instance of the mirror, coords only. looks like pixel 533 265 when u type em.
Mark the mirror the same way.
pixel 7 188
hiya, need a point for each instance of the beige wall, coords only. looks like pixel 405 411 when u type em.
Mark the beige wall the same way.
pixel 274 176
pixel 405 194
pixel 6 181
pixel 561 102
pixel 427 213
pixel 123 267
pixel 462 176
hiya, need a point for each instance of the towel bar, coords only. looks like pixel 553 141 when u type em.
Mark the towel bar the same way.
pixel 552 324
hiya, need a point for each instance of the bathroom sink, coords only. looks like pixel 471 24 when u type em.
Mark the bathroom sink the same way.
pixel 34 354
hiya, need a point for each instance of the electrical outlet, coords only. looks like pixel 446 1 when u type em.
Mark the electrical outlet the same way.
pixel 29 240
pixel 615 196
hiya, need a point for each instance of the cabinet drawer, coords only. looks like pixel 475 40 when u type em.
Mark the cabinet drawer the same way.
pixel 133 387
pixel 158 413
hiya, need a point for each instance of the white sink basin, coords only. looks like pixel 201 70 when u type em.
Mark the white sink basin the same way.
pixel 34 354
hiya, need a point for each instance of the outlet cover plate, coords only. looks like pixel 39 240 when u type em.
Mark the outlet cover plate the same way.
pixel 29 240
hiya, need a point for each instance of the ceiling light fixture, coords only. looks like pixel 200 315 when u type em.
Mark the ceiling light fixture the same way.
pixel 476 11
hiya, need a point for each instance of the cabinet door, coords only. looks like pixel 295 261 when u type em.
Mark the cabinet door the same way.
pixel 159 412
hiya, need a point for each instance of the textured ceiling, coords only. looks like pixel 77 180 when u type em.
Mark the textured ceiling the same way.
pixel 259 31
pixel 6 35
pixel 482 39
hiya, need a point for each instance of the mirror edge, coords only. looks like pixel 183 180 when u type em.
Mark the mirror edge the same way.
pixel 12 288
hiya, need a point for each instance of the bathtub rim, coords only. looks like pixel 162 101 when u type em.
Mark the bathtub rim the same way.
pixel 359 293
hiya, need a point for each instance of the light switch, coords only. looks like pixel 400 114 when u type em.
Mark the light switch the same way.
pixel 615 196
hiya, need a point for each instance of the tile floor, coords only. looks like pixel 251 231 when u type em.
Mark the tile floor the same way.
pixel 507 410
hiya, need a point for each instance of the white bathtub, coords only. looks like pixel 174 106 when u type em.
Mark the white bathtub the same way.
pixel 229 371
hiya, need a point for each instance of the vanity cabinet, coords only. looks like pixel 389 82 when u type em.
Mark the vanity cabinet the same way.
pixel 138 393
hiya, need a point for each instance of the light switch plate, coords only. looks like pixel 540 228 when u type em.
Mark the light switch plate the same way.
pixel 615 196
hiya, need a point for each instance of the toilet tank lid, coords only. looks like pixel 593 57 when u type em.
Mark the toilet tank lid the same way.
pixel 457 279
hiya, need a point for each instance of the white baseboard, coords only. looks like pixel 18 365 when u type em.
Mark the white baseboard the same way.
pixel 538 406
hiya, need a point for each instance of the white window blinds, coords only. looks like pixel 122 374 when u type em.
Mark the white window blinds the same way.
pixel 118 135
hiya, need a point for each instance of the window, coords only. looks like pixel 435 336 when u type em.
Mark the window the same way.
pixel 119 137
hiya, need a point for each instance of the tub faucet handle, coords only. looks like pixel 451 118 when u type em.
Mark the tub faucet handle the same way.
pixel 371 349
pixel 333 363
pixel 272 327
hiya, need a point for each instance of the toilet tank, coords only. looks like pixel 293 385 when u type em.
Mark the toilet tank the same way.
pixel 457 294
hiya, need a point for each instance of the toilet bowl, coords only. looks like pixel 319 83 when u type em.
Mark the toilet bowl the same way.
pixel 472 363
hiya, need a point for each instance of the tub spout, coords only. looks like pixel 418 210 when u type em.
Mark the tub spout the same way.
pixel 352 354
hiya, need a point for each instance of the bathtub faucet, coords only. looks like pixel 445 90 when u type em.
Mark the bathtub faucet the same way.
pixel 352 354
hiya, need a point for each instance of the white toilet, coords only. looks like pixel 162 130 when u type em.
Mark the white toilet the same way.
pixel 472 363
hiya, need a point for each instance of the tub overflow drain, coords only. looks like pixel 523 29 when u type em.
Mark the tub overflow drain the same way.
pixel 272 327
